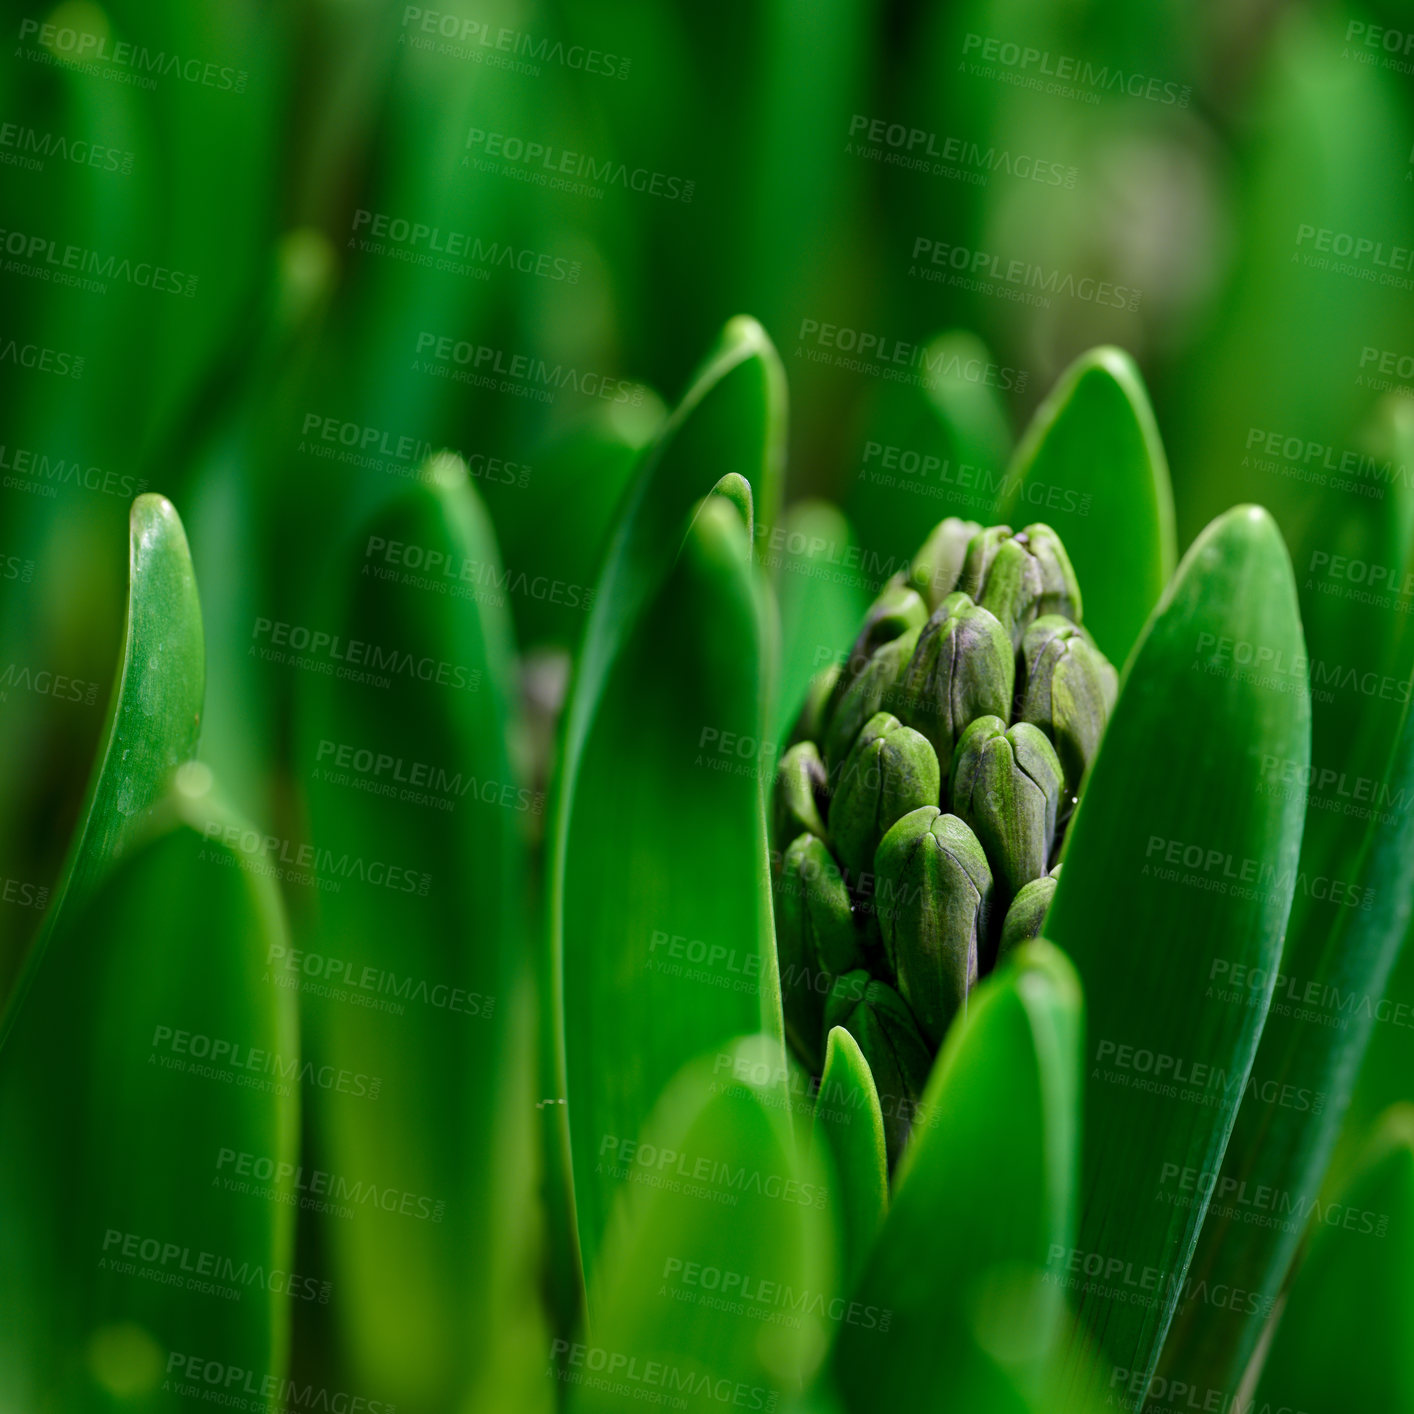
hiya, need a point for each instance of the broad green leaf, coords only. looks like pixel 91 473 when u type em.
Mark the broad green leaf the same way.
pixel 823 590
pixel 154 714
pixel 1176 862
pixel 668 943
pixel 1092 467
pixel 149 1115
pixel 970 1259
pixel 1346 930
pixel 411 976
pixel 850 1127
pixel 1342 1341
pixel 930 451
pixel 716 1285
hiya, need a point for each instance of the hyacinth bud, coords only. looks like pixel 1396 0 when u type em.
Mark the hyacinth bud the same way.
pixel 815 940
pixel 936 567
pixel 810 724
pixel 898 1056
pixel 1018 577
pixel 1027 914
pixel 962 668
pixel 890 771
pixel 800 795
pixel 934 902
pixel 872 691
pixel 1007 784
pixel 1067 689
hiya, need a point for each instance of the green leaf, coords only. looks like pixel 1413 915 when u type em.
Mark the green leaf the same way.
pixel 149 1117
pixel 667 932
pixel 1092 467
pixel 154 715
pixel 1177 860
pixel 731 418
pixel 823 594
pixel 1343 941
pixel 850 1127
pixel 1343 1338
pixel 717 1279
pixel 984 1205
pixel 412 979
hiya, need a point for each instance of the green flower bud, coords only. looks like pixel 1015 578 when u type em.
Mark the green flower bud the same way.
pixel 1018 577
pixel 1027 914
pixel 800 794
pixel 815 940
pixel 1007 784
pixel 890 770
pixel 936 567
pixel 810 724
pixel 963 668
pixel 1067 688
pixel 872 691
pixel 897 609
pixel 934 899
pixel 899 1058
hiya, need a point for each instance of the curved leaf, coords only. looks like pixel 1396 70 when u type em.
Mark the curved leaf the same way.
pixel 154 715
pixel 412 978
pixel 1092 467
pixel 1343 1339
pixel 668 940
pixel 850 1125
pixel 983 1211
pixel 149 1116
pixel 1178 860
pixel 716 1284
pixel 1342 944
